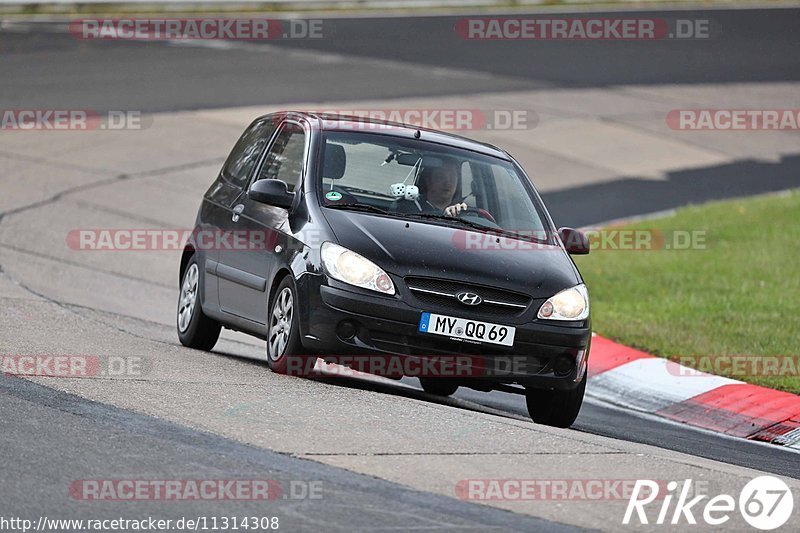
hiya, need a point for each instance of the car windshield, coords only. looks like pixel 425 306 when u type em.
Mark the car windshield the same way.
pixel 415 179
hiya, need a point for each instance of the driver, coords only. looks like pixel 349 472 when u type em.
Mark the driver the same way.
pixel 438 186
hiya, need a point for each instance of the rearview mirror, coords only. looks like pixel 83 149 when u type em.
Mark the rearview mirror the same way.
pixel 575 241
pixel 271 192
pixel 410 160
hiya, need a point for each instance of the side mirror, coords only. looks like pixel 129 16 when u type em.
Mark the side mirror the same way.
pixel 271 192
pixel 575 241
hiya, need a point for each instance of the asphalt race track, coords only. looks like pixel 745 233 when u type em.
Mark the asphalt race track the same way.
pixel 64 422
pixel 385 453
pixel 363 59
pixel 157 77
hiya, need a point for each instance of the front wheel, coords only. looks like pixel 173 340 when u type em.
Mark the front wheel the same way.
pixel 283 330
pixel 195 329
pixel 557 408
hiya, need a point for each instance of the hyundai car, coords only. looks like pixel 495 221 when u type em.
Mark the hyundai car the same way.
pixel 334 238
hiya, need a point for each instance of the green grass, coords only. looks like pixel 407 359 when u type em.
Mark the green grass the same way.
pixel 738 296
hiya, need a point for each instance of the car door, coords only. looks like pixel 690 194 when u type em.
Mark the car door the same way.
pixel 232 180
pixel 246 271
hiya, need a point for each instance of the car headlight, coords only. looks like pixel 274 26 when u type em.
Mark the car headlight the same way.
pixel 349 267
pixel 569 304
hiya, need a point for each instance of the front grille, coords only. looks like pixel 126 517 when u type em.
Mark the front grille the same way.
pixel 442 293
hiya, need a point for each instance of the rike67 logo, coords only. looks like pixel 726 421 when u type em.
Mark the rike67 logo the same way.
pixel 765 503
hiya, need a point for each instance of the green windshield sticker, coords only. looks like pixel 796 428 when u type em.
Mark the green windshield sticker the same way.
pixel 333 196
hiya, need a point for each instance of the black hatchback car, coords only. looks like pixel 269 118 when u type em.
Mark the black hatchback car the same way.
pixel 355 240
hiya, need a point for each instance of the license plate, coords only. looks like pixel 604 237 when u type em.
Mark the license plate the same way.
pixel 471 330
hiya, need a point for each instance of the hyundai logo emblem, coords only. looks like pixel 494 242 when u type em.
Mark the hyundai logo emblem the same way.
pixel 469 298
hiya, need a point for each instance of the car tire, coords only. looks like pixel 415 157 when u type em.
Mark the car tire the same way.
pixel 438 386
pixel 283 329
pixel 557 408
pixel 195 329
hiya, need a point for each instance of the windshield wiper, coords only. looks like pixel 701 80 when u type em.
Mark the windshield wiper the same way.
pixel 451 219
pixel 361 207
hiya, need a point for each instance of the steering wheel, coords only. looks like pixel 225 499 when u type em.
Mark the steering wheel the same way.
pixel 483 213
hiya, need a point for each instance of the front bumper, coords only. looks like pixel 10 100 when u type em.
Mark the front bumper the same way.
pixel 340 320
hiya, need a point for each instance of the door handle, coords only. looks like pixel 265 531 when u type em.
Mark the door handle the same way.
pixel 237 210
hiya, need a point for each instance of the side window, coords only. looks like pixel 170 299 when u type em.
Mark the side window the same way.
pixel 284 161
pixel 245 154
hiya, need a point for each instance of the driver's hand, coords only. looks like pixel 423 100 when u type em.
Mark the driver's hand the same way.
pixel 454 210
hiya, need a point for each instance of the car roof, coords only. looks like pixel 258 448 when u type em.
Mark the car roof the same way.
pixel 342 122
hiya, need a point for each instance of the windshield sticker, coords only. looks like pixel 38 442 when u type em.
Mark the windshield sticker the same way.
pixel 333 196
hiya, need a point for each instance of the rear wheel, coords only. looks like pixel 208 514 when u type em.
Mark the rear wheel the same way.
pixel 438 386
pixel 195 329
pixel 283 330
pixel 557 408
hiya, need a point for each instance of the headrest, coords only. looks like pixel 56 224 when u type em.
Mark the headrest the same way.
pixel 335 161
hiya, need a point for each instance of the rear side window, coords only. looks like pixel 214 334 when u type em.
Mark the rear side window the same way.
pixel 245 154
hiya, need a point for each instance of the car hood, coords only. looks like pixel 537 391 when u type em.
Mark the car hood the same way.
pixel 406 247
